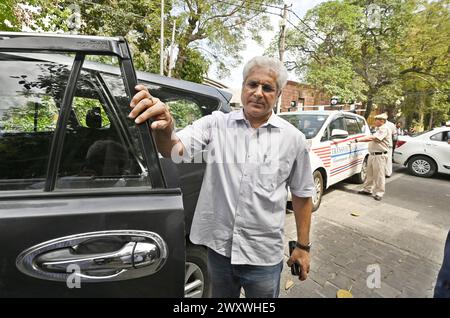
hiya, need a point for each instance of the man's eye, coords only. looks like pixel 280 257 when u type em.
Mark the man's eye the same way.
pixel 268 88
pixel 252 84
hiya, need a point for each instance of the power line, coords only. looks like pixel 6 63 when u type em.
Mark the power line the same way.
pixel 306 24
pixel 252 9
pixel 300 30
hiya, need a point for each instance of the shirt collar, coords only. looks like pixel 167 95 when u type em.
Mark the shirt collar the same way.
pixel 273 121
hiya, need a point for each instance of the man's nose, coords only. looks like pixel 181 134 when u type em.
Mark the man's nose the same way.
pixel 258 90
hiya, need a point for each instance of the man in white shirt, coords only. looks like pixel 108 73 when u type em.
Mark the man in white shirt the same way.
pixel 252 157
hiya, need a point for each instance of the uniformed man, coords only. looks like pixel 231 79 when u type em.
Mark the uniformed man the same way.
pixel 378 151
pixel 392 140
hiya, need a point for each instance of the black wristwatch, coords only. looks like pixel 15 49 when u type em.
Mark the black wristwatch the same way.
pixel 303 247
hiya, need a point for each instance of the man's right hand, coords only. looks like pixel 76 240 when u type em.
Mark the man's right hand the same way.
pixel 145 106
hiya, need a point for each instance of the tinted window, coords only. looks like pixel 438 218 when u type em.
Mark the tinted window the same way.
pixel 306 123
pixel 352 126
pixel 184 106
pixel 98 150
pixel 30 94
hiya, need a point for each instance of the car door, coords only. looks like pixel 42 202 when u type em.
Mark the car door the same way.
pixel 356 157
pixel 84 207
pixel 438 147
pixel 340 151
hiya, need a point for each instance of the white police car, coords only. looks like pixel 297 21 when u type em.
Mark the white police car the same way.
pixel 334 157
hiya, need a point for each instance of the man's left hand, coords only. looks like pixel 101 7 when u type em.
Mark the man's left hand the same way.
pixel 302 258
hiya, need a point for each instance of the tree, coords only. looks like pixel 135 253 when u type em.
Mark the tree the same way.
pixel 353 43
pixel 425 68
pixel 219 27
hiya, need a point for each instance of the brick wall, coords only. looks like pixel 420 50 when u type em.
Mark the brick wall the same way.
pixel 302 93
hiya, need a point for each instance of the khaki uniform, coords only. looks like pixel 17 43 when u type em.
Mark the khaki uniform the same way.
pixel 392 134
pixel 376 165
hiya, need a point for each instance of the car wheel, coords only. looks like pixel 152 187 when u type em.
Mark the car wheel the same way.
pixel 360 177
pixel 422 166
pixel 318 185
pixel 196 280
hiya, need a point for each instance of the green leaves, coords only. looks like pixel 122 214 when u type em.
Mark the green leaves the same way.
pixel 378 52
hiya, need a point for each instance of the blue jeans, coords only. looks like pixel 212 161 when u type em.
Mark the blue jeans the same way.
pixel 227 279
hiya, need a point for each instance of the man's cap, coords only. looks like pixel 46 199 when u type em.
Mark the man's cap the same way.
pixel 381 116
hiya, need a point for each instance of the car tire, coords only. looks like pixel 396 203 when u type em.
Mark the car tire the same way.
pixel 318 184
pixel 360 177
pixel 422 166
pixel 196 281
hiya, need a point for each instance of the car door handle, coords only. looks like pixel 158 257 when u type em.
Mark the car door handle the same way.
pixel 131 256
pixel 125 254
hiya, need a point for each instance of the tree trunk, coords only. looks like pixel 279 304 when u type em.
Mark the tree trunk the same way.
pixel 369 105
pixel 180 62
pixel 430 122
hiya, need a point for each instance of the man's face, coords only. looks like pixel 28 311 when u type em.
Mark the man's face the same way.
pixel 379 122
pixel 259 92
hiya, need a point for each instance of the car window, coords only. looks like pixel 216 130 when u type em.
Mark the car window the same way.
pixel 362 125
pixel 352 126
pixel 338 123
pixel 89 112
pixel 442 136
pixel 308 124
pixel 186 107
pixel 29 107
pixel 98 152
pixel 184 112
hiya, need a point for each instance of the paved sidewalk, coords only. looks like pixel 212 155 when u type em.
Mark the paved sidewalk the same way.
pixel 344 246
pixel 340 257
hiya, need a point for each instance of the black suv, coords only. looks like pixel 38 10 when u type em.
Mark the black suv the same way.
pixel 87 205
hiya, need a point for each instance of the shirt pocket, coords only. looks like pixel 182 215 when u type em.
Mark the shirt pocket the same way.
pixel 270 176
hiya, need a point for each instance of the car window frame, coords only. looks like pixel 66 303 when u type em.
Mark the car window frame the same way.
pixel 147 143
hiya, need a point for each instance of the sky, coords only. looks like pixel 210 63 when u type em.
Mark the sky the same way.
pixel 300 7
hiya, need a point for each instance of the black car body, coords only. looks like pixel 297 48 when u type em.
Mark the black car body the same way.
pixel 88 208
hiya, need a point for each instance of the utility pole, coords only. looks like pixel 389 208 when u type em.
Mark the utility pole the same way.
pixel 282 46
pixel 171 48
pixel 161 51
pixel 282 43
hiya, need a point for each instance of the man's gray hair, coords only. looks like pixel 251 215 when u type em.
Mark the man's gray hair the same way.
pixel 271 63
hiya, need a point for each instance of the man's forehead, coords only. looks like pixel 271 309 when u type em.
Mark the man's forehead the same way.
pixel 257 71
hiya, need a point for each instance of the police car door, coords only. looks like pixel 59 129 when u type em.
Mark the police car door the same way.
pixel 356 157
pixel 340 151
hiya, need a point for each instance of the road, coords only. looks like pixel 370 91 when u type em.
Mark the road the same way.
pixel 403 236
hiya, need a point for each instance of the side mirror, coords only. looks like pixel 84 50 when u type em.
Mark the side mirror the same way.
pixel 339 134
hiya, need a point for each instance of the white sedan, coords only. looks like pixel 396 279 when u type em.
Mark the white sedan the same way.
pixel 426 153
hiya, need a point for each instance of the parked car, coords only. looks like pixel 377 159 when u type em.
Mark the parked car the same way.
pixel 333 156
pixel 84 195
pixel 426 153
